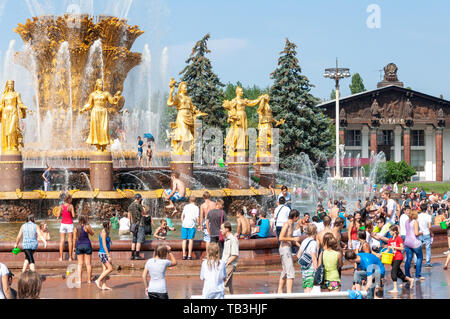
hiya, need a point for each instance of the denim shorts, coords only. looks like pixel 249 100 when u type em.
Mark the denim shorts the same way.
pixel 139 235
pixel 84 249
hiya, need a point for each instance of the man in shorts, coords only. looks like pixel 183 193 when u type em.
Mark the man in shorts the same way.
pixel 205 208
pixel 370 269
pixel 140 151
pixel 189 218
pixel 230 255
pixel 176 193
pixel 135 213
pixel 286 238
pixel 214 220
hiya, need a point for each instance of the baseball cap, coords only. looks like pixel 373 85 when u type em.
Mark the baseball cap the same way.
pixel 138 196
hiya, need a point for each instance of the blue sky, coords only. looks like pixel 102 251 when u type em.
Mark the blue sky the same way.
pixel 247 36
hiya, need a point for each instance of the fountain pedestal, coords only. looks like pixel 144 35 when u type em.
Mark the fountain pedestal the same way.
pixel 265 170
pixel 101 171
pixel 238 173
pixel 186 170
pixel 11 172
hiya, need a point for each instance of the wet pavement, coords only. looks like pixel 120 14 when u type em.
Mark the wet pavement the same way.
pixel 129 285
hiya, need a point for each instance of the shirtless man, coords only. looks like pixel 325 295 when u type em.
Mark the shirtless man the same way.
pixel 177 193
pixel 286 240
pixel 334 211
pixel 327 229
pixel 336 231
pixel 243 225
pixel 207 206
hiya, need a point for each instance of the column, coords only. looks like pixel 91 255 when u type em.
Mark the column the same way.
pixel 439 155
pixel 11 171
pixel 407 145
pixel 398 143
pixel 101 172
pixel 429 153
pixel 373 141
pixel 365 142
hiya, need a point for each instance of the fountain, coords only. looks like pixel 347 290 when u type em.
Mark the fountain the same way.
pixel 66 55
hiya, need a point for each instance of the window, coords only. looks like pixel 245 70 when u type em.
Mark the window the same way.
pixel 418 160
pixel 352 153
pixel 417 138
pixel 386 137
pixel 353 138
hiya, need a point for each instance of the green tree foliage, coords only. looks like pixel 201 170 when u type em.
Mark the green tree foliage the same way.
pixel 251 93
pixel 391 172
pixel 204 86
pixel 307 129
pixel 333 94
pixel 357 85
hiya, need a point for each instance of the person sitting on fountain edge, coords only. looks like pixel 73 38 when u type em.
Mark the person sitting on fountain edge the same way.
pixel 176 193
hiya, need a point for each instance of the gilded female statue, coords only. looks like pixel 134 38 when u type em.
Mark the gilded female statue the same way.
pixel 183 128
pixel 99 134
pixel 237 138
pixel 265 126
pixel 12 110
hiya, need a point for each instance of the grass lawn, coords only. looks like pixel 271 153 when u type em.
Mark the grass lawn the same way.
pixel 438 187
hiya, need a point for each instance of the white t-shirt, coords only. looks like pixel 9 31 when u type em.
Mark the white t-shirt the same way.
pixel 312 247
pixel 190 214
pixel 124 223
pixel 403 219
pixel 319 226
pixel 391 206
pixel 3 272
pixel 157 270
pixel 213 286
pixel 423 220
pixel 281 215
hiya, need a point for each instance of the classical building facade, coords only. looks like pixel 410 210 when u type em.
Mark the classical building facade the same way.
pixel 403 123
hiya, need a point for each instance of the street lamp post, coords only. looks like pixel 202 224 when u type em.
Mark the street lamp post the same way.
pixel 337 74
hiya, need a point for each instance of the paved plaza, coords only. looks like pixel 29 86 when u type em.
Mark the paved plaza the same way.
pixel 128 285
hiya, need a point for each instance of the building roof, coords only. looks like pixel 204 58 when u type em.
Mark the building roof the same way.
pixel 332 103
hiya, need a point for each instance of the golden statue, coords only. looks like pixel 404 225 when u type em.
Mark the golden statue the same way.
pixel 99 134
pixel 183 128
pixel 237 138
pixel 12 110
pixel 265 126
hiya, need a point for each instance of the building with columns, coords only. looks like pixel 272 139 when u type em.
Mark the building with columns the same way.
pixel 403 123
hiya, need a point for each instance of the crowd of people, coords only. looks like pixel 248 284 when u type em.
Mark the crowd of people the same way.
pixel 333 234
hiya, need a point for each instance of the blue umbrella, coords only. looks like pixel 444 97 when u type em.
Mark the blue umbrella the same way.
pixel 149 137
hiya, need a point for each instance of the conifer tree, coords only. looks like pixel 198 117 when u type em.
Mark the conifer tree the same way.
pixel 204 86
pixel 307 129
pixel 357 85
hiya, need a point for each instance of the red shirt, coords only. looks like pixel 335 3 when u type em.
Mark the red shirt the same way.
pixel 66 215
pixel 398 255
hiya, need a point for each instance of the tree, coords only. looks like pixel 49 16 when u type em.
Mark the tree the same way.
pixel 333 94
pixel 357 85
pixel 204 86
pixel 391 172
pixel 307 129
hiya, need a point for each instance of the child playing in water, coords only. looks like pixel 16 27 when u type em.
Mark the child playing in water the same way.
pixel 44 230
pixel 161 231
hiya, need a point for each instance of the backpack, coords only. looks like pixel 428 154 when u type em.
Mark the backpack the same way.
pixel 147 224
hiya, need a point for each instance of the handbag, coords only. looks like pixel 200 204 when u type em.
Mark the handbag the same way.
pixel 221 237
pixel 319 276
pixel 305 259
pixel 133 228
